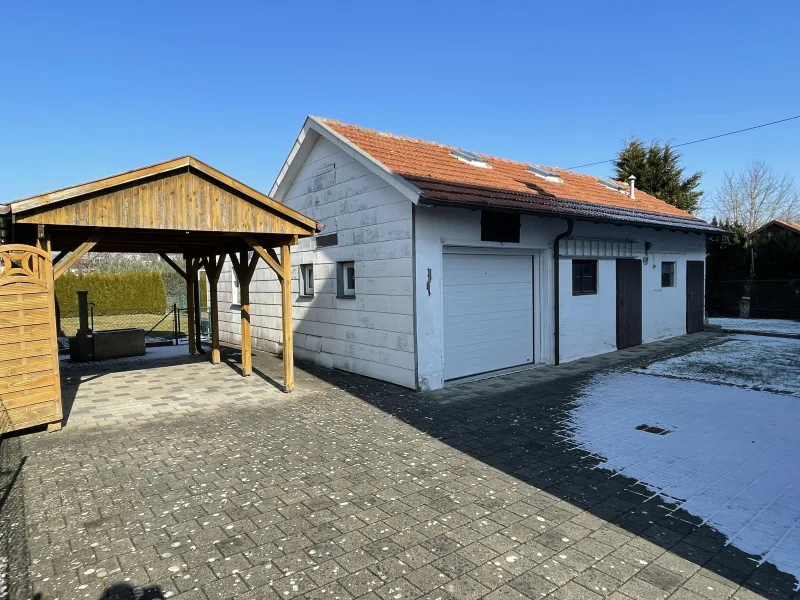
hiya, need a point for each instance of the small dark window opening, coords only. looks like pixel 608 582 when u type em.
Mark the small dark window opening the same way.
pixel 584 277
pixel 667 274
pixel 324 241
pixel 499 227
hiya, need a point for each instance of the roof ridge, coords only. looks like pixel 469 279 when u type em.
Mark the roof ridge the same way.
pixel 405 138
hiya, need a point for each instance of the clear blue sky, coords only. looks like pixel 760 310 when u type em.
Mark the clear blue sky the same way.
pixel 91 89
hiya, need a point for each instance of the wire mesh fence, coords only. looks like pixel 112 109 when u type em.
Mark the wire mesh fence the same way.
pixel 756 299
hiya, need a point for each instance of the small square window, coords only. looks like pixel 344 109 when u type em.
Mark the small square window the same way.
pixel 667 274
pixel 307 280
pixel 584 277
pixel 346 280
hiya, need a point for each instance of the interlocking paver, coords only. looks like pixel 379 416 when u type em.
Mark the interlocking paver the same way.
pixel 214 486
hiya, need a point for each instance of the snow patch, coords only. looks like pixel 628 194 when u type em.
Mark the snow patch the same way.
pixel 750 361
pixel 732 457
pixel 761 325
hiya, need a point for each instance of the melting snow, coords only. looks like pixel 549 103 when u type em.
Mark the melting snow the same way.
pixel 760 325
pixel 732 457
pixel 745 360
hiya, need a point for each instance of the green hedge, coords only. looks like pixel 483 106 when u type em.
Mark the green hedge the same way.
pixel 114 294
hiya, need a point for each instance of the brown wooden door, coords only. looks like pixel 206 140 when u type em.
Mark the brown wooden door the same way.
pixel 695 299
pixel 629 302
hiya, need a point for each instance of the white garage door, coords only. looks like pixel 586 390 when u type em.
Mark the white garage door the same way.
pixel 488 313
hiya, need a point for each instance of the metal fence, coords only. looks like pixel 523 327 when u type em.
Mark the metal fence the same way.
pixel 171 326
pixel 768 299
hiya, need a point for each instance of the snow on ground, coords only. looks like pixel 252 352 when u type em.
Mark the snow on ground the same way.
pixel 756 362
pixel 760 325
pixel 732 457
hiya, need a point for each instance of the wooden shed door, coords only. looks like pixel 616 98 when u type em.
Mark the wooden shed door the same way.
pixel 30 389
pixel 629 302
pixel 695 301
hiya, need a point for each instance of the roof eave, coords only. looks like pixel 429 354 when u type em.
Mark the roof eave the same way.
pixel 431 201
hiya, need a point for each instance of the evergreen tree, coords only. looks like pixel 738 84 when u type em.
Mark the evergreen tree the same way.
pixel 658 172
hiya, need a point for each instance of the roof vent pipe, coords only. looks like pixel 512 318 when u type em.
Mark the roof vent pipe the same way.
pixel 631 182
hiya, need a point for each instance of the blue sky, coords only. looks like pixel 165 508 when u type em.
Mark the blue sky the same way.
pixel 91 89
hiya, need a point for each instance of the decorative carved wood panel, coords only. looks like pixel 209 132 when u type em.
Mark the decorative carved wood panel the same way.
pixel 30 388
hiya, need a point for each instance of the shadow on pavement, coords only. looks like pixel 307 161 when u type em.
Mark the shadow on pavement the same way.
pixel 520 429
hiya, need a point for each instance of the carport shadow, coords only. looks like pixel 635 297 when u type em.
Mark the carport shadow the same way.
pixel 233 358
pixel 522 430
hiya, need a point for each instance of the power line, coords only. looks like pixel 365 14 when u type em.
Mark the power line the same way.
pixel 713 137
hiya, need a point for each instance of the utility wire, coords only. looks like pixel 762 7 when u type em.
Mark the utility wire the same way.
pixel 713 137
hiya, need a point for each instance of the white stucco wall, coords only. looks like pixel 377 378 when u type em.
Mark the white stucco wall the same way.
pixel 372 334
pixel 453 228
pixel 587 323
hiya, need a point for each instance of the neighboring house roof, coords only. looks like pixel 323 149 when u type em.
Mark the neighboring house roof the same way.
pixel 793 227
pixel 433 176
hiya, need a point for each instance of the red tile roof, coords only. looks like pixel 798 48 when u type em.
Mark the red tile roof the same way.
pixel 422 163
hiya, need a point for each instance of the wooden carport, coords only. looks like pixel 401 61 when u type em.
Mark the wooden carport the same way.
pixel 182 206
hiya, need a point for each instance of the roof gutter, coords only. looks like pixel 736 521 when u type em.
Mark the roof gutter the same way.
pixel 556 289
pixel 428 201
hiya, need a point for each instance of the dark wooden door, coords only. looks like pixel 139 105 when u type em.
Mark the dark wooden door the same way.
pixel 629 302
pixel 695 299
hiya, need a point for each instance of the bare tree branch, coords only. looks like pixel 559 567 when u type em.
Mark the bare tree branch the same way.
pixel 756 196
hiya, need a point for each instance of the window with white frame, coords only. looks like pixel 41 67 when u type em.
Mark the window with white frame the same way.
pixel 346 280
pixel 307 280
pixel 236 289
pixel 667 274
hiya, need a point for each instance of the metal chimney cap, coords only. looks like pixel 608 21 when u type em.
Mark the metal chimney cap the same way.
pixel 632 178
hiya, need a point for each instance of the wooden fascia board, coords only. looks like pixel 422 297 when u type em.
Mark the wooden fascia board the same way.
pixel 406 188
pixel 58 196
pixel 294 162
pixel 25 204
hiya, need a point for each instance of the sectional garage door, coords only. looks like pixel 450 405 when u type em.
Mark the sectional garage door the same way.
pixel 488 313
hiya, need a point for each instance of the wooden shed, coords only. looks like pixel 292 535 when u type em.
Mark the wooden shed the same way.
pixel 182 206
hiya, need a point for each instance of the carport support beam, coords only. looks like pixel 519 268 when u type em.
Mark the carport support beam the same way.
pixel 244 272
pixel 190 275
pixel 213 268
pixel 286 319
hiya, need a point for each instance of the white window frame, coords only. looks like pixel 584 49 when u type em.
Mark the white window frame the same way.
pixel 674 273
pixel 345 291
pixel 236 289
pixel 307 280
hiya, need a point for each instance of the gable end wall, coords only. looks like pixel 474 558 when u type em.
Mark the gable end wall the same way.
pixel 372 334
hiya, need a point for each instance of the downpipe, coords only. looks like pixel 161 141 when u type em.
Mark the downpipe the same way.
pixel 556 288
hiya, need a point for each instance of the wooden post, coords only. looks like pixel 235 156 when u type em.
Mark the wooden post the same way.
pixel 191 273
pixel 213 268
pixel 244 272
pixel 286 319
pixel 247 348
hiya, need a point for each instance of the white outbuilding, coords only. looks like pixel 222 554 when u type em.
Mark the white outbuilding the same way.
pixel 437 264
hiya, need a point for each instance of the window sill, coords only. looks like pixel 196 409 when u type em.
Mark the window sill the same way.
pixel 346 296
pixel 584 293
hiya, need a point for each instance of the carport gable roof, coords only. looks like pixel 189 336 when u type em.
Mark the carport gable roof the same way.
pixel 429 173
pixel 27 209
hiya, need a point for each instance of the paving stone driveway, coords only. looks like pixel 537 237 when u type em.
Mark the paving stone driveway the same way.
pixel 350 488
